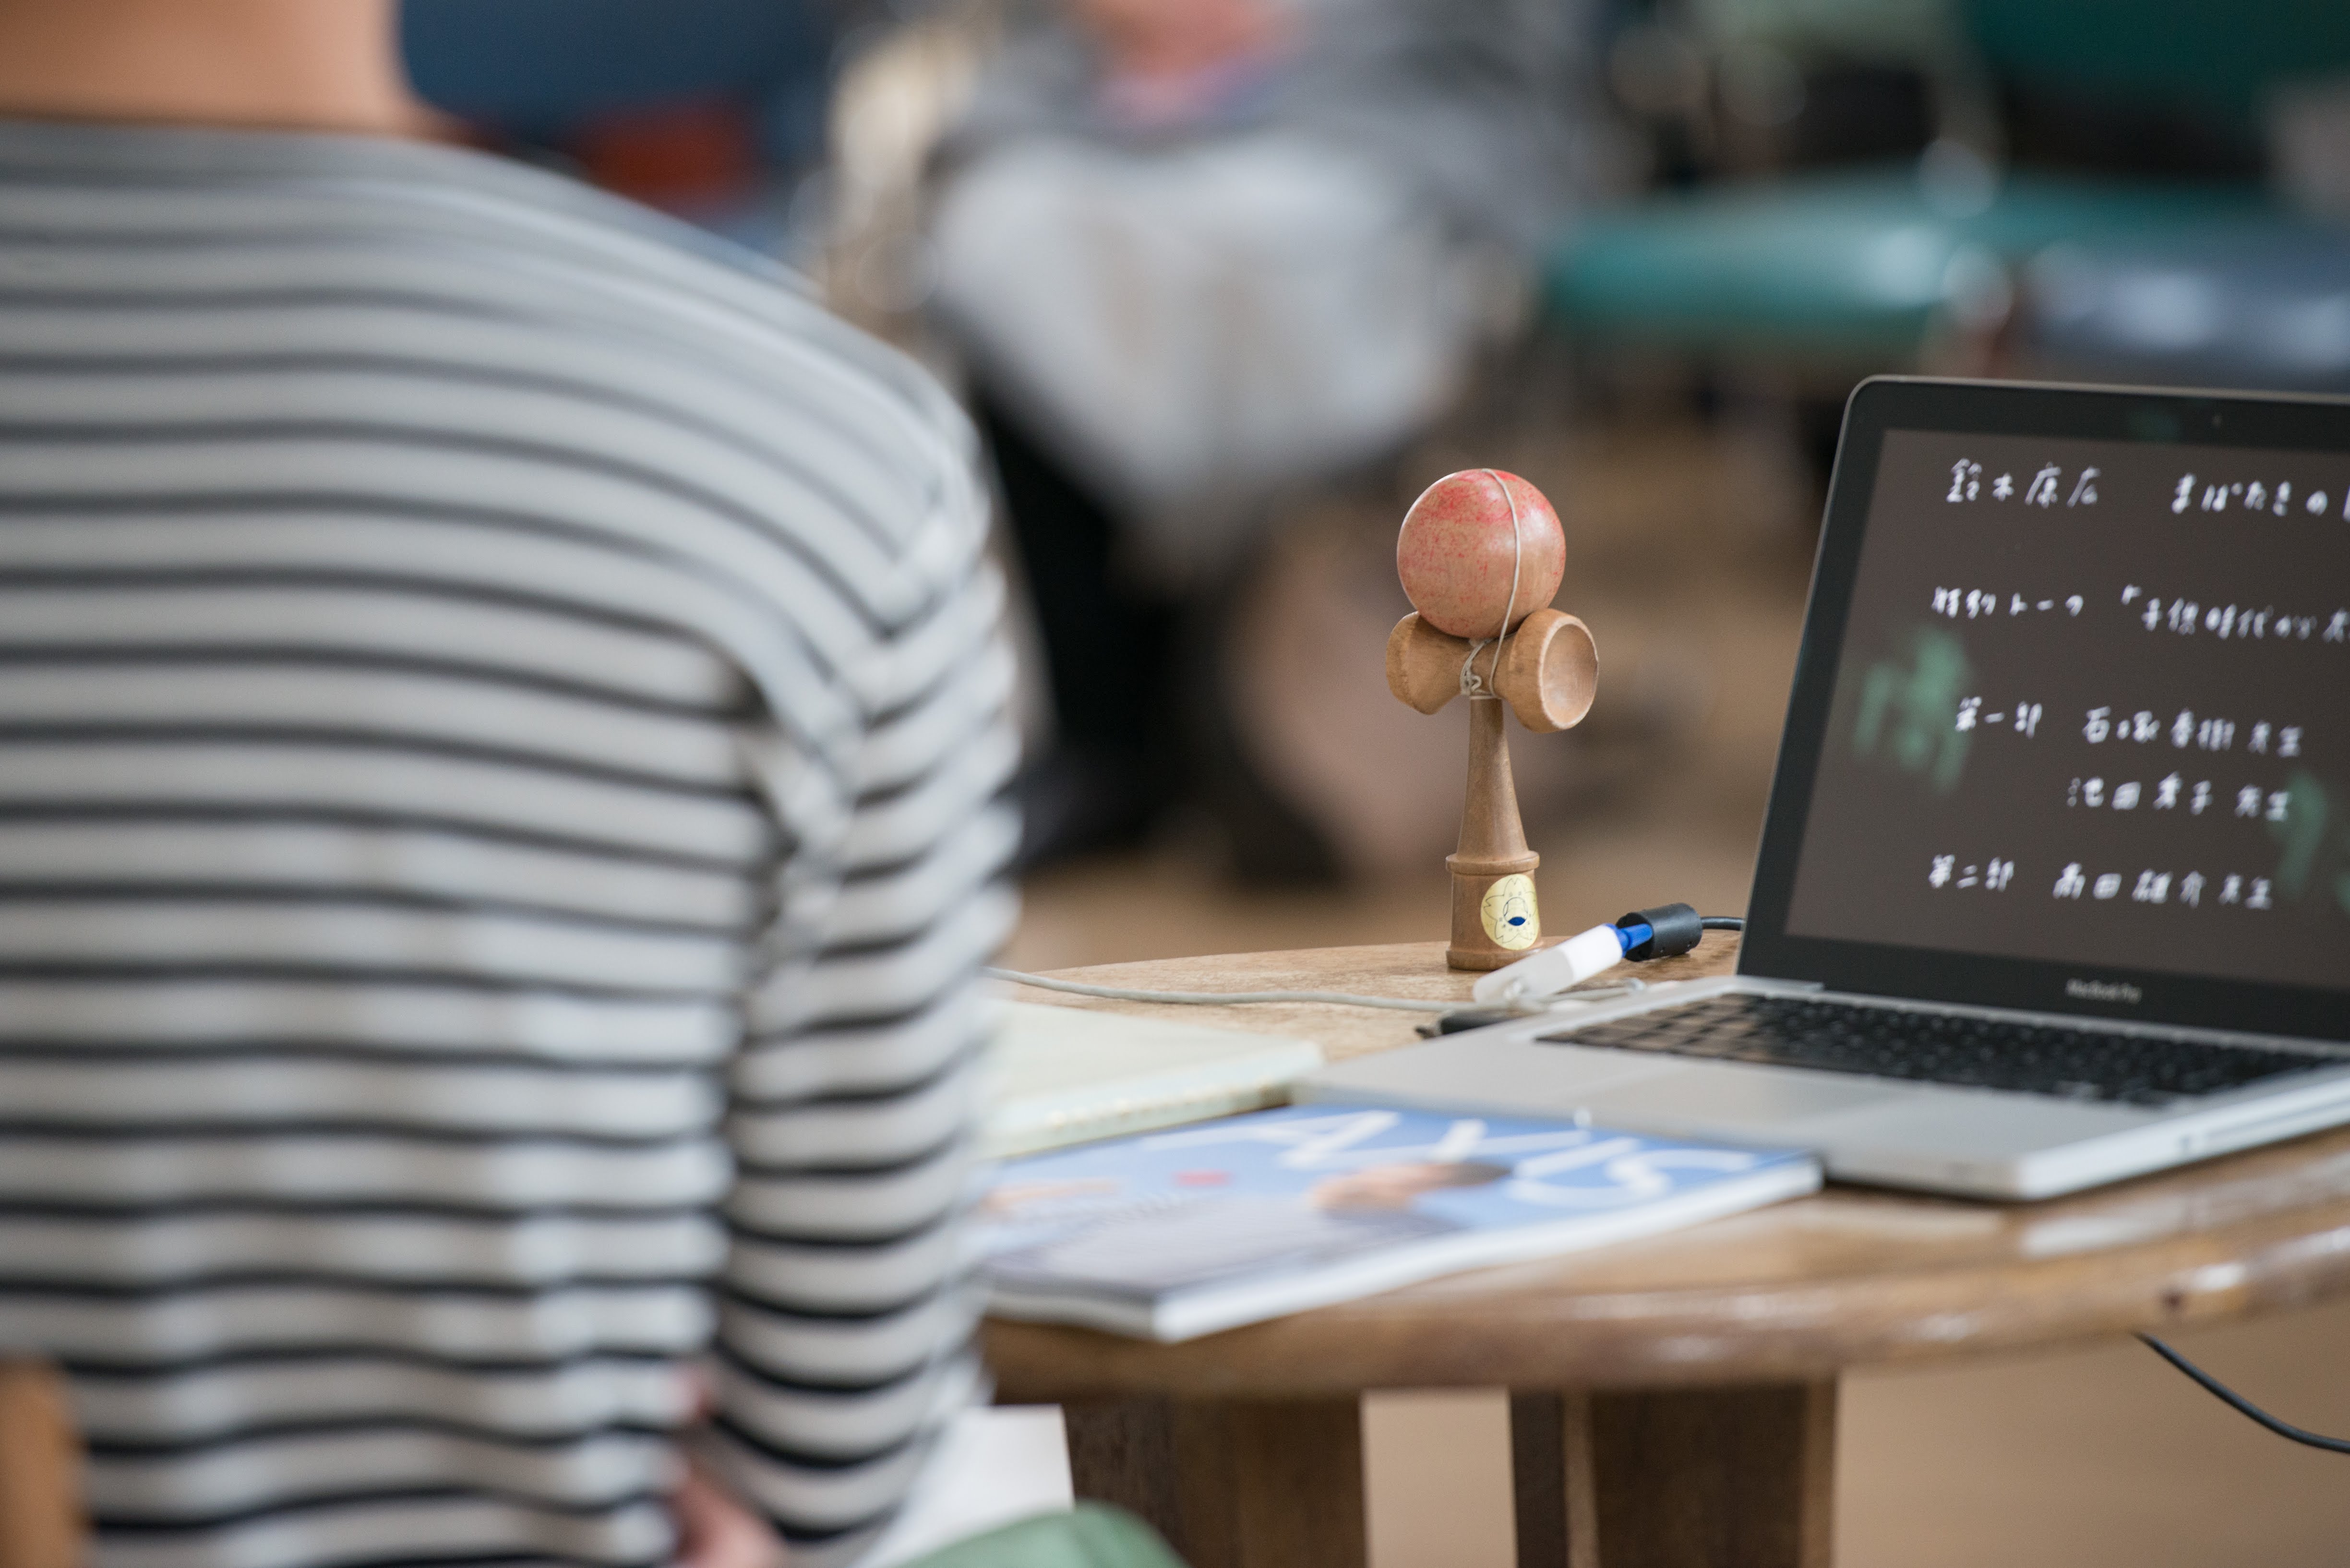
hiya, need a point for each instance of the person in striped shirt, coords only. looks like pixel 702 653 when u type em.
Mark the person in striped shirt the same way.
pixel 501 801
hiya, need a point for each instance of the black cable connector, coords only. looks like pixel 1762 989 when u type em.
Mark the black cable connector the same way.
pixel 1669 930
pixel 2229 1396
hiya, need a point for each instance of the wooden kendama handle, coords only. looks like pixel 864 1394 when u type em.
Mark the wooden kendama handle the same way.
pixel 1495 918
pixel 1548 674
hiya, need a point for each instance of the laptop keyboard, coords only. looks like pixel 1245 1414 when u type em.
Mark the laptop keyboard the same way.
pixel 1946 1048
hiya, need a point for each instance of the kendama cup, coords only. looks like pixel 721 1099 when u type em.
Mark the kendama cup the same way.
pixel 1481 556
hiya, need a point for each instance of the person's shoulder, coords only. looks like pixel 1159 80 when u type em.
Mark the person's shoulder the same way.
pixel 341 179
pixel 694 281
pixel 594 335
pixel 528 244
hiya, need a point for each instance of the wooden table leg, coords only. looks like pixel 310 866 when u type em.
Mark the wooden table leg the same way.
pixel 1244 1484
pixel 1691 1478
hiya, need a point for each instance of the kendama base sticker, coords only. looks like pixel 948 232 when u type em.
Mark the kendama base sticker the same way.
pixel 1509 913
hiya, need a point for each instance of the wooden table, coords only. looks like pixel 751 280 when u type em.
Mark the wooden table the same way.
pixel 1672 1401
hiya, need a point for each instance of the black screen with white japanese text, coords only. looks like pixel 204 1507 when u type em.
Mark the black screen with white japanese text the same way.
pixel 2092 706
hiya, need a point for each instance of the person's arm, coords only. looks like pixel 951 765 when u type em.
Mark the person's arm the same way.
pixel 847 1311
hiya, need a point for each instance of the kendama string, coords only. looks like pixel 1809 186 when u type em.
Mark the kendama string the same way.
pixel 1472 685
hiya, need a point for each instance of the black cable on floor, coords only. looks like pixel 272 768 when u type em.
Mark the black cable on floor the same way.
pixel 2243 1406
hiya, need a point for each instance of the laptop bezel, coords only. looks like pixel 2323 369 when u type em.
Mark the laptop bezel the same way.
pixel 1883 404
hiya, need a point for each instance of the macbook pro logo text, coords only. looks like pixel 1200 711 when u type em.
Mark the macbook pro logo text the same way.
pixel 2104 990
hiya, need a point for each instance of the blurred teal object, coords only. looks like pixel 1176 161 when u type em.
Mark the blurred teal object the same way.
pixel 1091 1536
pixel 1850 267
pixel 1856 271
pixel 2218 55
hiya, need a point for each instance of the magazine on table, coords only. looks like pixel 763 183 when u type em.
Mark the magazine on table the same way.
pixel 1169 1235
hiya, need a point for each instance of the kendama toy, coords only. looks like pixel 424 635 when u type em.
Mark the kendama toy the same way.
pixel 1481 556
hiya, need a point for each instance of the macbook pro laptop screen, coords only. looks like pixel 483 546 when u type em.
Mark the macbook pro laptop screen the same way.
pixel 2088 701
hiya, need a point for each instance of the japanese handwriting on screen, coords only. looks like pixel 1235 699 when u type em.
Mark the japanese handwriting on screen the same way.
pixel 2045 486
pixel 2188 618
pixel 2241 774
pixel 2024 717
pixel 2295 817
pixel 1992 875
pixel 2153 886
pixel 2274 497
pixel 2174 793
pixel 1974 604
pixel 2188 729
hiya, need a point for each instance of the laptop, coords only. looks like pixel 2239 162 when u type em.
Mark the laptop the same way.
pixel 2054 884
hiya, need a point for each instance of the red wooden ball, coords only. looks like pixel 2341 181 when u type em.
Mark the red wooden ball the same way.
pixel 1457 552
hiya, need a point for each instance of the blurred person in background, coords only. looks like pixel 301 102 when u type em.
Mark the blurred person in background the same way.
pixel 500 769
pixel 712 110
pixel 1197 253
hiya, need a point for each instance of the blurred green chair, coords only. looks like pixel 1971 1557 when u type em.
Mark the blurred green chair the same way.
pixel 1846 269
pixel 1861 270
pixel 1091 1536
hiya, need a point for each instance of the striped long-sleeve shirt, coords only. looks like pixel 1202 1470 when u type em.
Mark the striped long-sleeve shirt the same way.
pixel 501 753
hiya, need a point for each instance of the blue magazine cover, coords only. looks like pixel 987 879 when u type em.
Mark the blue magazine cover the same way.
pixel 1174 1234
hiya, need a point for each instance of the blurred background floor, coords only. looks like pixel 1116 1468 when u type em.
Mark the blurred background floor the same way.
pixel 1689 553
